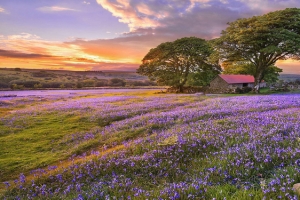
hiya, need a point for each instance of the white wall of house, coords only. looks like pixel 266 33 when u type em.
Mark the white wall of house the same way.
pixel 262 85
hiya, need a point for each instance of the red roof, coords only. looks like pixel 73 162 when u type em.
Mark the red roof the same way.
pixel 237 78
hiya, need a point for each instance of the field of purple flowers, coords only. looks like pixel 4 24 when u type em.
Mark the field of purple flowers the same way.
pixel 165 147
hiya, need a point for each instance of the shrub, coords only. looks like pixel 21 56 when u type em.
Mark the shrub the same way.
pixel 79 85
pixel 101 83
pixel 27 84
pixel 36 86
pixel 16 87
pixel 88 83
pixel 4 85
pixel 116 82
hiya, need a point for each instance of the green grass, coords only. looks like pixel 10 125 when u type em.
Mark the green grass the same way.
pixel 35 142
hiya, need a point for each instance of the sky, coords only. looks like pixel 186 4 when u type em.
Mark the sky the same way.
pixel 113 34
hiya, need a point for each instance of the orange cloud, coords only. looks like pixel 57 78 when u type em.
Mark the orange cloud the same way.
pixel 29 51
pixel 289 66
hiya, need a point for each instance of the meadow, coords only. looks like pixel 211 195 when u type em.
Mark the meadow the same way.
pixel 142 145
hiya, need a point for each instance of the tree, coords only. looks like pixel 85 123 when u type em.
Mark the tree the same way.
pixel 262 40
pixel 270 75
pixel 170 63
pixel 202 78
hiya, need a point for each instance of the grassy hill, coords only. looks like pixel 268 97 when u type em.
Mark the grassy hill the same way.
pixel 144 145
pixel 32 78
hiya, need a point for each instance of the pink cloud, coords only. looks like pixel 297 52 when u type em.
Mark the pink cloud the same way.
pixel 55 9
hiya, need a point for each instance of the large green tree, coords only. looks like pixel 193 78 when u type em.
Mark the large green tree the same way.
pixel 262 40
pixel 170 63
pixel 270 75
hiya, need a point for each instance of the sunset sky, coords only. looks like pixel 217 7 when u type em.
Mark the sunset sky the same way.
pixel 113 34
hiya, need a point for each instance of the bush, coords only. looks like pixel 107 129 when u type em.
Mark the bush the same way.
pixel 26 84
pixel 88 83
pixel 36 86
pixel 7 79
pixel 101 83
pixel 4 85
pixel 69 85
pixel 16 87
pixel 117 82
pixel 79 85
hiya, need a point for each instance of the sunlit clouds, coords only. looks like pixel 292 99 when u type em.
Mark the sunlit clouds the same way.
pixel 111 34
pixel 17 48
pixel 55 9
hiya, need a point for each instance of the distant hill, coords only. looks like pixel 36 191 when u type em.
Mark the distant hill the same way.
pixel 41 78
pixel 289 77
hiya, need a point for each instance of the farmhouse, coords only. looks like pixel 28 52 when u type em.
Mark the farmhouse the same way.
pixel 224 81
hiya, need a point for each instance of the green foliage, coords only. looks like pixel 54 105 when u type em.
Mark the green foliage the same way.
pixel 16 87
pixel 202 78
pixel 262 40
pixel 36 86
pixel 88 83
pixel 117 82
pixel 270 75
pixel 171 63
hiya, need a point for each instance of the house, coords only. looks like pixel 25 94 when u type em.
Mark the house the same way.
pixel 226 81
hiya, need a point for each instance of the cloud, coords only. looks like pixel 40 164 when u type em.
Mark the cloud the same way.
pixel 154 21
pixel 17 54
pixel 167 22
pixel 151 22
pixel 55 9
pixel 155 13
pixel 289 66
pixel 30 51
pixel 2 10
pixel 192 17
pixel 129 49
pixel 86 2
pixel 265 6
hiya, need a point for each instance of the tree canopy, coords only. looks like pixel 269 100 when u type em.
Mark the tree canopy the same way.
pixel 262 40
pixel 171 63
pixel 270 75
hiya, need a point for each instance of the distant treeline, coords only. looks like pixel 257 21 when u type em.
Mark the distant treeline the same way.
pixel 5 83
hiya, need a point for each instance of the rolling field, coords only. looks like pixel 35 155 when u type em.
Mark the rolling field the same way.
pixel 142 145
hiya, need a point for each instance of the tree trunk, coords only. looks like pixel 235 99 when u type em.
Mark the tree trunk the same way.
pixel 181 88
pixel 257 79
